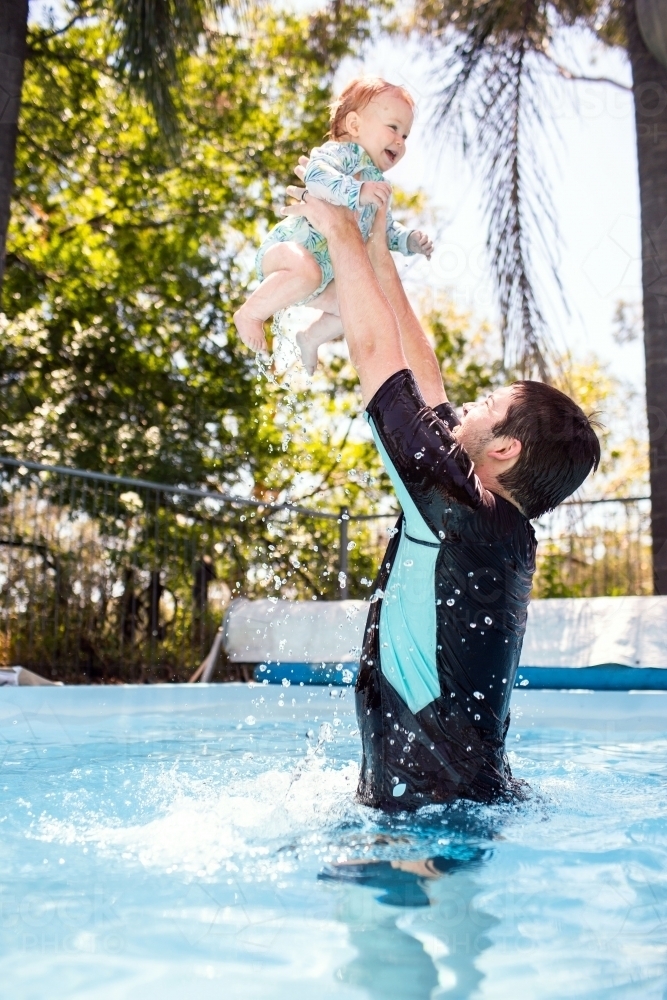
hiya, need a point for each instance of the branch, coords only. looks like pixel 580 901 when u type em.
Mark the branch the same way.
pixel 46 36
pixel 324 481
pixel 580 77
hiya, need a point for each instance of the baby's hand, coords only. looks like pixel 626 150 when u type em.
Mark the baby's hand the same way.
pixel 375 193
pixel 419 242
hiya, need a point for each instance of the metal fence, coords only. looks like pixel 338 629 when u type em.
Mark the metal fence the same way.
pixel 107 578
pixel 595 548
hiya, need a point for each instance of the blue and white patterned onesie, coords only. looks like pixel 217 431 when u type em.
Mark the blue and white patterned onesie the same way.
pixel 335 174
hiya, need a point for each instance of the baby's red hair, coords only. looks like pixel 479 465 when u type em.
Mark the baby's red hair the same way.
pixel 356 96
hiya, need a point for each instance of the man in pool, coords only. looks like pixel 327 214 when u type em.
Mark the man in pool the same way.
pixel 448 615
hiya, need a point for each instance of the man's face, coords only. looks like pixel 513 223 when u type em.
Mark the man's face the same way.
pixel 475 432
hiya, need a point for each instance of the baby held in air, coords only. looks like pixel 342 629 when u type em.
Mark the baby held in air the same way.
pixel 370 123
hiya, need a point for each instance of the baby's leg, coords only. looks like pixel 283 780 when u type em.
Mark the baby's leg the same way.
pixel 291 273
pixel 324 329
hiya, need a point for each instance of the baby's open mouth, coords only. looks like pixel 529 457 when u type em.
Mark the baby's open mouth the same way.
pixel 391 154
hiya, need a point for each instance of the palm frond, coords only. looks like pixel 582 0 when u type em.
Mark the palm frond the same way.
pixel 153 37
pixel 489 85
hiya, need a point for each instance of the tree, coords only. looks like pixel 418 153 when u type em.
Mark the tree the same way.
pixel 495 57
pixel 13 30
pixel 125 266
pixel 150 42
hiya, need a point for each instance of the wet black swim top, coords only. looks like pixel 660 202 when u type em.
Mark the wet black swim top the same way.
pixel 447 619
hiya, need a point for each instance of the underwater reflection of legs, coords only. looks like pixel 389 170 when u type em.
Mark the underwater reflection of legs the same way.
pixel 419 933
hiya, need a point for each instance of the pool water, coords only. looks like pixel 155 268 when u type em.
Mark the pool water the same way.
pixel 171 842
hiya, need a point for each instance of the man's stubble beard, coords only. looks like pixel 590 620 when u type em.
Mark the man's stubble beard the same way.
pixel 474 444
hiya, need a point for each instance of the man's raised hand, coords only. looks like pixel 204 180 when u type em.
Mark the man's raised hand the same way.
pixel 323 216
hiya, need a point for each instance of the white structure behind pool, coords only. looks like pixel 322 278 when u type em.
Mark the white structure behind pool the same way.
pixel 596 642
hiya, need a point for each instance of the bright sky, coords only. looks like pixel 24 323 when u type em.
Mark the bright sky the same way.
pixel 590 160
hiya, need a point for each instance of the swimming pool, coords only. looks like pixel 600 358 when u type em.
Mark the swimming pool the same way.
pixel 204 841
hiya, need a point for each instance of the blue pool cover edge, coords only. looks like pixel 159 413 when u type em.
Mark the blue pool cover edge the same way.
pixel 602 677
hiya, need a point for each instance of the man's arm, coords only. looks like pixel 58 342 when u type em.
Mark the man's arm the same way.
pixel 418 351
pixel 370 324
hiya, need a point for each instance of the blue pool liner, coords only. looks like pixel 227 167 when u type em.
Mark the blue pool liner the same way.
pixel 603 677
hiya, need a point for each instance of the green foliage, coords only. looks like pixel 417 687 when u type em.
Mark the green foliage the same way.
pixel 470 366
pixel 118 353
pixel 124 268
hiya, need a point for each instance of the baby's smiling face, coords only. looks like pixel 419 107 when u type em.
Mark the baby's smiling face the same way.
pixel 382 128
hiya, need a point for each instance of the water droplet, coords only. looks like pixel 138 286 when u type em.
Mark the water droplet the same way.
pixel 478 695
pixel 504 680
pixel 487 620
pixel 419 454
pixel 477 718
pixel 524 683
pixel 286 682
pixel 518 737
pixel 408 562
pixel 457 592
pixel 250 720
pixel 396 726
pixel 392 531
pixel 471 573
pixel 473 624
pixel 441 535
pixel 394 780
pixel 310 734
pixel 452 695
pixel 468 749
pixel 411 737
pixel 450 602
pixel 326 733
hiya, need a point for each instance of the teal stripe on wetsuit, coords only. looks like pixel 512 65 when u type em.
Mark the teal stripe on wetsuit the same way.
pixel 407 619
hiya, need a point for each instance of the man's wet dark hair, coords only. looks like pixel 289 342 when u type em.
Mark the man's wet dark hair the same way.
pixel 559 447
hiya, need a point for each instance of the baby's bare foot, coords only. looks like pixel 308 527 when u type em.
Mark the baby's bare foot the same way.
pixel 308 348
pixel 251 330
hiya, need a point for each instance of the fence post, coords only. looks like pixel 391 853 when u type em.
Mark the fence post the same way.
pixel 343 520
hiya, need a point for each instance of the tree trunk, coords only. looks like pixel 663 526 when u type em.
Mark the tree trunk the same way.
pixel 649 84
pixel 13 31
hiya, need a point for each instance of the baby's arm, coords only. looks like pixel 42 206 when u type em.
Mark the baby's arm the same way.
pixel 407 241
pixel 329 175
